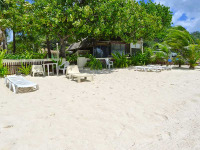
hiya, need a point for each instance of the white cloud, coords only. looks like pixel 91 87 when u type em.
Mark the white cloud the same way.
pixel 188 7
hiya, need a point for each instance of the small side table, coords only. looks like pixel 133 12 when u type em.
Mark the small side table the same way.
pixel 52 64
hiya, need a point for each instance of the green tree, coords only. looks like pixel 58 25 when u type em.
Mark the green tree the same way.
pixel 193 55
pixel 14 17
pixel 165 51
pixel 163 13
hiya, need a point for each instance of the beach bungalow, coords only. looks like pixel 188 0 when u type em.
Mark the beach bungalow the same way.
pixel 103 49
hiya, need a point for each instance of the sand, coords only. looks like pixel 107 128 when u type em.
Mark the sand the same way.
pixel 120 110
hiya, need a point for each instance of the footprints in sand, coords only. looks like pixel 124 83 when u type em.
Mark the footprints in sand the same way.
pixel 8 126
pixel 164 136
pixel 164 117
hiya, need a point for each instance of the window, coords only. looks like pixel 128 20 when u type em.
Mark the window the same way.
pixel 101 51
pixel 118 48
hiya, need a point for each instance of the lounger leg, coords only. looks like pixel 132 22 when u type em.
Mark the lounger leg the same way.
pixel 78 79
pixel 14 89
pixel 92 79
pixel 10 85
pixel 6 81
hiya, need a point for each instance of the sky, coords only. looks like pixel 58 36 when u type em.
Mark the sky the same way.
pixel 185 13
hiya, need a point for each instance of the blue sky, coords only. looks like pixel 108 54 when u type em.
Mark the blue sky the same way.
pixel 185 13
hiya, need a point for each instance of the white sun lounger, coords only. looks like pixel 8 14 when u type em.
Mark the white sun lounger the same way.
pixel 37 69
pixel 73 72
pixel 16 82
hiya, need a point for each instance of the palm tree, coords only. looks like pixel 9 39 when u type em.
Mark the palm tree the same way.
pixel 193 55
pixel 165 52
pixel 178 38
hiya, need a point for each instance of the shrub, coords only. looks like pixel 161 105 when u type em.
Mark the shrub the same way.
pixel 160 58
pixel 142 58
pixel 179 60
pixel 3 70
pixel 94 63
pixel 26 70
pixel 26 55
pixel 193 55
pixel 72 58
pixel 120 60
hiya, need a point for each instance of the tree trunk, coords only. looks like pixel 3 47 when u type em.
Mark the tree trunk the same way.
pixel 4 39
pixel 179 65
pixel 62 50
pixel 48 46
pixel 14 44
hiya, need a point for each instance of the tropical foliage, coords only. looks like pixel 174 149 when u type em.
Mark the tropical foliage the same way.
pixel 3 70
pixel 94 64
pixel 72 58
pixel 120 60
pixel 164 52
pixel 26 70
pixel 26 55
pixel 193 55
pixel 43 21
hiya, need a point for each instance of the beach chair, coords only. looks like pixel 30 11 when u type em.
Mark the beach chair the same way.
pixel 63 67
pixel 108 63
pixel 73 72
pixel 37 69
pixel 16 82
pixel 139 68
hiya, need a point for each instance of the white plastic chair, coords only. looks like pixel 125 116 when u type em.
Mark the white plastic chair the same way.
pixel 66 64
pixel 108 63
pixel 37 69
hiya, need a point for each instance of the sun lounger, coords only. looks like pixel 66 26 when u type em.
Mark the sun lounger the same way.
pixel 139 68
pixel 37 69
pixel 16 82
pixel 72 72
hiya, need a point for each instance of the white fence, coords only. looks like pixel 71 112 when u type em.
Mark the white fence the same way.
pixel 14 65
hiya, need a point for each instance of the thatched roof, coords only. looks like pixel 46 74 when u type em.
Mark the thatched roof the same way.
pixel 80 45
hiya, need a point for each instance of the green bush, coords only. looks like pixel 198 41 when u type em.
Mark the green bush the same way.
pixel 94 63
pixel 160 58
pixel 3 70
pixel 26 70
pixel 142 58
pixel 193 55
pixel 72 58
pixel 26 55
pixel 178 60
pixel 120 60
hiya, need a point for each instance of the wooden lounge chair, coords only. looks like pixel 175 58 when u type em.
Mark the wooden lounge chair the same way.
pixel 73 73
pixel 16 82
pixel 37 69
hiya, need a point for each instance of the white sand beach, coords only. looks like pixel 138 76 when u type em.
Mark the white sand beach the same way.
pixel 120 110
